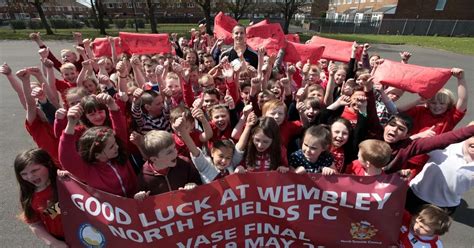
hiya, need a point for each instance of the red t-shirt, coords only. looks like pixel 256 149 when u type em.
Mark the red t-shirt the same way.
pixel 62 86
pixel 350 115
pixel 288 131
pixel 355 168
pixel 43 135
pixel 49 216
pixel 182 148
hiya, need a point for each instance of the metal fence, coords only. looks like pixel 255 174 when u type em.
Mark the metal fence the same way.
pixel 429 27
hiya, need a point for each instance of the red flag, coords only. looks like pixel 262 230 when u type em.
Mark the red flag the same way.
pixel 101 47
pixel 425 81
pixel 336 50
pixel 223 26
pixel 135 43
pixel 268 35
pixel 293 37
pixel 302 52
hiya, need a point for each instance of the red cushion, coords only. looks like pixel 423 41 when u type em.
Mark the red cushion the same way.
pixel 101 47
pixel 336 50
pixel 302 52
pixel 134 43
pixel 223 26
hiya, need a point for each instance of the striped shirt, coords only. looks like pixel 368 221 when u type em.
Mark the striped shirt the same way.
pixel 147 123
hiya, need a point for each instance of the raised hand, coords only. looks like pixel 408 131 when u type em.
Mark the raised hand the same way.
pixel 5 69
pixel 23 74
pixel 106 99
pixel 74 114
pixel 136 138
pixel 198 114
pixel 405 56
pixel 458 73
pixel 251 119
pixel 43 52
pixel 60 113
pixel 137 95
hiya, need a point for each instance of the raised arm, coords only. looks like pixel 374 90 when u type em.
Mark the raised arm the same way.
pixel 40 231
pixel 52 96
pixel 24 77
pixel 250 122
pixel 17 86
pixel 137 71
pixel 198 114
pixel 461 104
pixel 180 125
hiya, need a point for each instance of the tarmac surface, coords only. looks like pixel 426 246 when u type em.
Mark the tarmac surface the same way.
pixel 14 138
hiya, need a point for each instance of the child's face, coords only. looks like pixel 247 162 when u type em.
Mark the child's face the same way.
pixel 469 147
pixel 156 107
pixel 174 87
pixel 90 86
pixel 193 76
pixel 278 114
pixel 97 117
pixel 109 66
pixel 261 141
pixel 311 148
pixel 395 131
pixel 340 134
pixel 323 63
pixel 220 117
pixel 209 100
pixel 69 74
pixel 421 229
pixel 322 75
pixel 436 107
pixel 313 76
pixel 150 72
pixel 355 102
pixel 209 62
pixel 207 83
pixel 310 112
pixel 36 174
pixel 73 99
pixel 340 77
pixel 276 90
pixel 245 94
pixel 165 158
pixel 69 56
pixel 222 157
pixel 318 93
pixel 191 58
pixel 110 150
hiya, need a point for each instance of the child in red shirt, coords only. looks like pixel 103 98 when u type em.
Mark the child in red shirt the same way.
pixel 373 156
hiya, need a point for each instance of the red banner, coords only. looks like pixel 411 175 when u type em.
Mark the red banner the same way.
pixel 101 47
pixel 247 210
pixel 135 43
pixel 293 37
pixel 302 52
pixel 268 35
pixel 425 81
pixel 336 50
pixel 223 26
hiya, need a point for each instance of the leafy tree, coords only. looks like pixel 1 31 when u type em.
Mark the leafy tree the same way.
pixel 238 7
pixel 289 8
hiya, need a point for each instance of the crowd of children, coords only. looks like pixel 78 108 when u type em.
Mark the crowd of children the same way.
pixel 143 125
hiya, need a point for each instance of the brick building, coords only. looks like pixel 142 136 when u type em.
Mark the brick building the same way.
pixel 374 10
pixel 175 8
pixel 54 9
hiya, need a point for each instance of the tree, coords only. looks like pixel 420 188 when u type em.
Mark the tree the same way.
pixel 238 7
pixel 100 11
pixel 38 5
pixel 206 9
pixel 151 15
pixel 289 8
pixel 94 13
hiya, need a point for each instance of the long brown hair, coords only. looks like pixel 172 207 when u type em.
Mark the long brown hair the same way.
pixel 27 189
pixel 270 128
pixel 90 104
pixel 92 142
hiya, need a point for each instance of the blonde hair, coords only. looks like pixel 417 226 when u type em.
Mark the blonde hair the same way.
pixel 66 66
pixel 65 51
pixel 376 152
pixel 272 104
pixel 205 78
pixel 444 96
pixel 155 141
pixel 172 75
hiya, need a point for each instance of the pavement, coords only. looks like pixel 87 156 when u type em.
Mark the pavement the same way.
pixel 14 138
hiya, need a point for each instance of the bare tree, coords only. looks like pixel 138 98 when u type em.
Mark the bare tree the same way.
pixel 206 9
pixel 100 11
pixel 289 8
pixel 38 5
pixel 151 15
pixel 238 7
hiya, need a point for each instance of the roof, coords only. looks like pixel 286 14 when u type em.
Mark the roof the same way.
pixel 389 9
pixel 365 11
pixel 350 11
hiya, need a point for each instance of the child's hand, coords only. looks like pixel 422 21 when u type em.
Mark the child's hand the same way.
pixel 79 49
pixel 87 42
pixel 136 138
pixel 291 70
pixel 405 56
pixel 38 93
pixel 188 186
pixel 74 114
pixel 405 174
pixel 427 133
pixel 327 171
pixel 106 99
pixel 135 60
pixel 167 92
pixel 227 70
pixel 283 169
pixel 142 195
pixel 180 124
pixel 87 64
pixel 103 79
pixel 299 96
pixel 5 69
pixel 458 73
pixel 122 69
pixel 229 101
pixel 285 82
pixel 332 68
pixel 177 67
pixel 23 75
pixel 43 52
pixel 300 170
pixel 256 82
pixel 301 107
pixel 137 95
pixel 35 36
pixel 306 67
pixel 240 169
pixel 63 174
pixel 198 114
pixel 251 119
pixel 247 109
pixel 34 71
pixel 60 113
pixel 159 70
pixel 48 63
pixel 77 35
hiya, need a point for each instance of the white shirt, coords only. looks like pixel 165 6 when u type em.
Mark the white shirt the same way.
pixel 445 177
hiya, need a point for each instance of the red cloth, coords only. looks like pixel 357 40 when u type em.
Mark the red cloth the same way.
pixel 336 49
pixel 43 136
pixel 134 43
pixel 293 37
pixel 350 115
pixel 295 52
pixel 426 81
pixel 101 47
pixel 268 35
pixel 223 26
pixel 49 216
pixel 355 168
pixel 62 86
pixel 182 148
pixel 288 131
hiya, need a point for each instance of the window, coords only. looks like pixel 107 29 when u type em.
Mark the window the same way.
pixel 440 5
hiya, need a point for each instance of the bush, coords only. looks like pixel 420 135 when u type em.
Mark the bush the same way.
pixel 120 23
pixel 35 24
pixel 93 24
pixel 18 24
pixel 140 23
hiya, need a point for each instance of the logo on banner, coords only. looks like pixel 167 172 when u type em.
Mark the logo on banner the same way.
pixel 363 230
pixel 90 236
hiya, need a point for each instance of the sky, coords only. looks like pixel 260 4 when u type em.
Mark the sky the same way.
pixel 85 2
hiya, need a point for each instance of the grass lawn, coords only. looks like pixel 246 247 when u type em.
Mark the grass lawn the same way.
pixel 462 45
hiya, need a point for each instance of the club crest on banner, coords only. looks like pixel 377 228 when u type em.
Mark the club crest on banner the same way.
pixel 90 236
pixel 363 230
